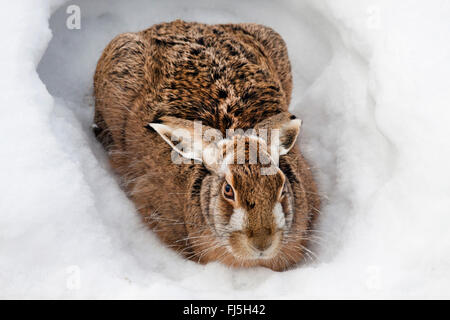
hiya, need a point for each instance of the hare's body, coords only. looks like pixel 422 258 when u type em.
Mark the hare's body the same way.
pixel 227 76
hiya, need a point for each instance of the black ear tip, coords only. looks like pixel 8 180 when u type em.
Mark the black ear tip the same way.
pixel 149 127
pixel 96 129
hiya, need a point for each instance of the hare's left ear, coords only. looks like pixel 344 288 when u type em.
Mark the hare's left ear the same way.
pixel 283 128
pixel 288 135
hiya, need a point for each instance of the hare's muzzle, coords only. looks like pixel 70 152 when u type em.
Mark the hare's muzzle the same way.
pixel 261 239
pixel 263 243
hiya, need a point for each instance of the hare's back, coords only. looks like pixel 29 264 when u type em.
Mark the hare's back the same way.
pixel 227 76
pixel 223 75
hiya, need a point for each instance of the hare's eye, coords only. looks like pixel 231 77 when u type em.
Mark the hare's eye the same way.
pixel 283 191
pixel 228 191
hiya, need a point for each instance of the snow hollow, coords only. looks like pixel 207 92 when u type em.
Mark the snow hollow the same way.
pixel 370 84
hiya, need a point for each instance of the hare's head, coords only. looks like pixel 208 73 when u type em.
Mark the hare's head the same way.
pixel 246 199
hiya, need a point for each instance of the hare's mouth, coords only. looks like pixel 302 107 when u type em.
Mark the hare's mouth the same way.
pixel 242 248
pixel 255 254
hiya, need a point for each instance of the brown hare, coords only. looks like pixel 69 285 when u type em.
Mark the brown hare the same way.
pixel 153 89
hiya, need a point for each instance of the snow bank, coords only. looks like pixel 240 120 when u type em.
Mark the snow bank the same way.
pixel 371 84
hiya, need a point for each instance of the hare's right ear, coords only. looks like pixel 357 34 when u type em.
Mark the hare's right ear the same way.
pixel 190 139
pixel 180 138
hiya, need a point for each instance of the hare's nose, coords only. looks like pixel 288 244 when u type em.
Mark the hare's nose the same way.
pixel 261 240
pixel 262 244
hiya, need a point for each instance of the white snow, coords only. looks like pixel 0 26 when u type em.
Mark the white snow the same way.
pixel 371 86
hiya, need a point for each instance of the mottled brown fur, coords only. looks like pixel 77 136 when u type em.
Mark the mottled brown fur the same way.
pixel 227 76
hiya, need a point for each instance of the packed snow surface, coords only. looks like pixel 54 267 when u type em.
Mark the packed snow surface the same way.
pixel 371 85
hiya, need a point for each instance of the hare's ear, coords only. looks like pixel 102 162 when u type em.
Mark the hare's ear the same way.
pixel 187 138
pixel 288 135
pixel 283 129
pixel 181 136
